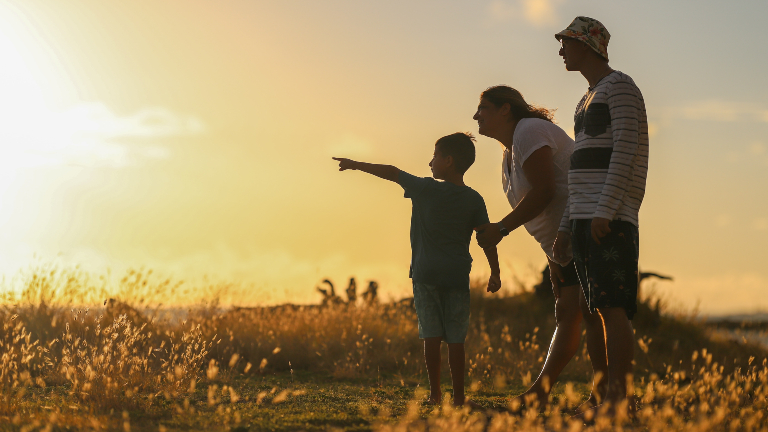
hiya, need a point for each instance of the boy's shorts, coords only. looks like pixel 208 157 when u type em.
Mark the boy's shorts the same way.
pixel 607 271
pixel 442 312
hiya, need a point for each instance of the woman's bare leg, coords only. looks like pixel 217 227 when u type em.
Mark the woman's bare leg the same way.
pixel 564 344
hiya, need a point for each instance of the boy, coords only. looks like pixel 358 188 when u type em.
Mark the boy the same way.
pixel 443 217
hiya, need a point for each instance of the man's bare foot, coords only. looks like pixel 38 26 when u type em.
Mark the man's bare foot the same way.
pixel 588 415
pixel 431 401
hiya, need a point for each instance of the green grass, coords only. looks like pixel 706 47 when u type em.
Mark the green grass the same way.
pixel 314 402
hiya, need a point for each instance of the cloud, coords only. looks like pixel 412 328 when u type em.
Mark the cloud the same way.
pixel 723 111
pixel 89 134
pixel 540 13
pixel 653 129
pixel 750 153
pixel 96 119
pixel 757 148
pixel 760 224
pixel 350 146
pixel 723 220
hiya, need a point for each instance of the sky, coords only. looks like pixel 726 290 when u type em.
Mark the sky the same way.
pixel 194 138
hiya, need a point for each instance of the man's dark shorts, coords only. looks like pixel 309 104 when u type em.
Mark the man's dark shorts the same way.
pixel 607 271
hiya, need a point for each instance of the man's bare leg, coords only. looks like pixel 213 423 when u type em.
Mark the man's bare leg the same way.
pixel 564 344
pixel 597 354
pixel 620 342
pixel 432 359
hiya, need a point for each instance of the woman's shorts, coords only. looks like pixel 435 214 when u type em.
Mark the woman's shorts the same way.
pixel 569 274
pixel 607 271
pixel 442 312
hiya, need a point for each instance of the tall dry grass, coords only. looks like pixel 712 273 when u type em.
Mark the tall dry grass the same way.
pixel 111 348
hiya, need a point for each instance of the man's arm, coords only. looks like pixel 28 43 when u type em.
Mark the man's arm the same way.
pixel 539 172
pixel 387 172
pixel 624 104
pixel 494 282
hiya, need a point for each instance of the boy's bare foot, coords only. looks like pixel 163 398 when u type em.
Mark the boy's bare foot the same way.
pixel 430 401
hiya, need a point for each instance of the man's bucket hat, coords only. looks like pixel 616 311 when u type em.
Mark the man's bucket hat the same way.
pixel 590 31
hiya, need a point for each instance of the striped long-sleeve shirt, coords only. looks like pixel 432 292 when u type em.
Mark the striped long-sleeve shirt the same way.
pixel 610 159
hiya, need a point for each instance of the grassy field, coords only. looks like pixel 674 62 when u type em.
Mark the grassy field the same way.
pixel 121 365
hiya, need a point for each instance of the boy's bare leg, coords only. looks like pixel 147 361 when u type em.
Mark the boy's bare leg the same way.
pixel 597 354
pixel 432 359
pixel 620 341
pixel 565 343
pixel 456 362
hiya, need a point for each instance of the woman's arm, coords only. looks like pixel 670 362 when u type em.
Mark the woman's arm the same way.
pixel 540 173
pixel 494 282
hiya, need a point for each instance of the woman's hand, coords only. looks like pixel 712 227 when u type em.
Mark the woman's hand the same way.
pixel 561 246
pixel 555 276
pixel 488 235
pixel 494 283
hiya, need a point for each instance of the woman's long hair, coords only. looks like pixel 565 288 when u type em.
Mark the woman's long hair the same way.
pixel 520 109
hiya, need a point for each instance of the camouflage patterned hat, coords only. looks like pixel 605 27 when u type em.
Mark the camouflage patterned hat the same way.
pixel 591 32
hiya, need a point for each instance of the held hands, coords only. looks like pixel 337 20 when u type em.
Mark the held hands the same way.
pixel 488 235
pixel 345 164
pixel 600 228
pixel 494 283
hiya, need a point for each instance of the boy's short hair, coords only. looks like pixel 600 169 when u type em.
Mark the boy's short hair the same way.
pixel 461 147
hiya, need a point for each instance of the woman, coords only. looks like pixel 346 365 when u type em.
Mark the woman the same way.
pixel 535 179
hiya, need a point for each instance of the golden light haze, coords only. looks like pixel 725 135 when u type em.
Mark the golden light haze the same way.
pixel 195 138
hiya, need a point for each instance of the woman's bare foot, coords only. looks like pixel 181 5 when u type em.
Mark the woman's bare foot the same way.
pixel 587 405
pixel 529 399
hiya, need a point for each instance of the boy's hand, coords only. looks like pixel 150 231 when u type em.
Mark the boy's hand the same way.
pixel 345 164
pixel 488 235
pixel 494 283
pixel 561 246
pixel 600 228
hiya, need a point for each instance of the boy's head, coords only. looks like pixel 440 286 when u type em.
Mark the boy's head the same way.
pixel 454 154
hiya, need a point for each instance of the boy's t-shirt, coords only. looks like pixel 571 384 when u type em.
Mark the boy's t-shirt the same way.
pixel 442 220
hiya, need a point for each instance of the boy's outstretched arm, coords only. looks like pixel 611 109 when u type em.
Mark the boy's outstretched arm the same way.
pixel 387 172
pixel 494 282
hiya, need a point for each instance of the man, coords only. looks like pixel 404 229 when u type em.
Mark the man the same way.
pixel 606 184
